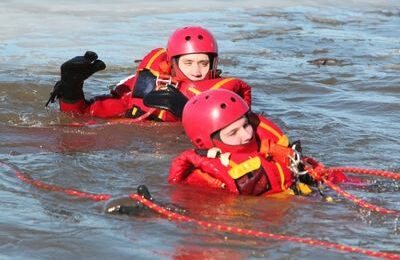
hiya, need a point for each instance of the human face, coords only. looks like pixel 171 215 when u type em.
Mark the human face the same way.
pixel 194 66
pixel 237 133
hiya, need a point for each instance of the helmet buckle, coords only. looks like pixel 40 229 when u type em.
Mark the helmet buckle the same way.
pixel 162 81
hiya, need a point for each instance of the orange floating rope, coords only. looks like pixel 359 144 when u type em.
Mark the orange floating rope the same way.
pixel 321 173
pixel 248 232
pixel 204 224
pixel 45 186
pixel 358 201
pixel 380 173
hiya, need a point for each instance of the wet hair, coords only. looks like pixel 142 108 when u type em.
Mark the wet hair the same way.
pixel 216 135
pixel 211 58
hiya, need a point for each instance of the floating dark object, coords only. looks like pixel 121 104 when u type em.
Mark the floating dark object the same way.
pixel 325 61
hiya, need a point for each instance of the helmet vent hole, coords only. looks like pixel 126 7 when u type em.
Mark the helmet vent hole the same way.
pixel 207 97
pixel 223 105
pixel 187 38
pixel 233 99
pixel 198 140
pixel 194 102
pixel 200 37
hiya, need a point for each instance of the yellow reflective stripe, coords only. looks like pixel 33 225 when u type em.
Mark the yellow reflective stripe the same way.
pixel 154 72
pixel 155 56
pixel 195 91
pixel 232 163
pixel 220 83
pixel 134 111
pixel 161 114
pixel 281 195
pixel 245 167
pixel 281 175
pixel 270 129
pixel 304 188
pixel 284 141
pixel 215 86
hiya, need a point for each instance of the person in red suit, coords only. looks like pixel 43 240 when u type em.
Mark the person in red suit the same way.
pixel 237 150
pixel 187 67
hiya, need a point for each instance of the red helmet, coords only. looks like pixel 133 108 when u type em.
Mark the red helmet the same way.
pixel 191 39
pixel 209 112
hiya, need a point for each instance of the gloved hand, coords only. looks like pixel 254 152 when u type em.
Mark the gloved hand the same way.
pixel 188 161
pixel 170 99
pixel 279 153
pixel 73 73
pixel 126 206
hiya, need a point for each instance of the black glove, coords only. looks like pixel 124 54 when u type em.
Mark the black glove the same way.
pixel 127 206
pixel 73 73
pixel 143 191
pixel 170 99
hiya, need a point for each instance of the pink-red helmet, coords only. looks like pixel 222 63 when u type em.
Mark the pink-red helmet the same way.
pixel 209 112
pixel 191 39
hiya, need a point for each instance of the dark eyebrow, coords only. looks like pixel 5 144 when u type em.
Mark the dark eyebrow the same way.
pixel 232 131
pixel 246 122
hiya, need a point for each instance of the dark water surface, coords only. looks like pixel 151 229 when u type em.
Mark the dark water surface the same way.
pixel 345 111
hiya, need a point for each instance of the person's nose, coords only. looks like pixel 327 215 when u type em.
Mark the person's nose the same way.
pixel 196 71
pixel 246 134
